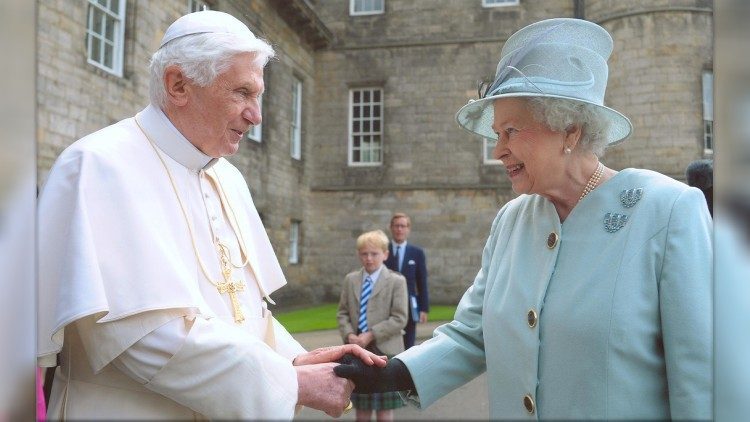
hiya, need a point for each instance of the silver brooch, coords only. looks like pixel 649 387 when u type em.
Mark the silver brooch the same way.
pixel 614 221
pixel 629 197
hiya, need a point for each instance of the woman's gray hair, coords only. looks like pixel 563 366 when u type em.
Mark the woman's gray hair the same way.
pixel 558 114
pixel 202 57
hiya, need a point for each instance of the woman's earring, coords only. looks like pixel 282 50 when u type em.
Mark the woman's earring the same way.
pixel 568 150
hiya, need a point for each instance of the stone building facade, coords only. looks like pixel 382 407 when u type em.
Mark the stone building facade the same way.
pixel 424 58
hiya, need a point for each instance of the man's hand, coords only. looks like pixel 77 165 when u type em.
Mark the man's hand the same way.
pixel 334 353
pixel 319 388
pixel 422 317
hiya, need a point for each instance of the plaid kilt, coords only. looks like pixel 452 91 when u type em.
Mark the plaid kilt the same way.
pixel 377 401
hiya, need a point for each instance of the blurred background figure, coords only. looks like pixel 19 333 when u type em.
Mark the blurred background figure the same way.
pixel 700 174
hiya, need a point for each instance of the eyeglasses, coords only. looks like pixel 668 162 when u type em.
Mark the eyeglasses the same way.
pixel 399 226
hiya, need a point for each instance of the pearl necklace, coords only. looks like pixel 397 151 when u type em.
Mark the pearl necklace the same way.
pixel 593 181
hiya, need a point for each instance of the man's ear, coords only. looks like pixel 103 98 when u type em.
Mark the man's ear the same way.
pixel 176 85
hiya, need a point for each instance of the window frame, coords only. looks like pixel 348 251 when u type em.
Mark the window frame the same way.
pixel 707 82
pixel 487 153
pixel 381 119
pixel 255 133
pixel 354 12
pixel 294 236
pixel 505 3
pixel 197 6
pixel 295 130
pixel 118 35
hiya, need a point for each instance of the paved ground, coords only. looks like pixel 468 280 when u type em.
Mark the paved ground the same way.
pixel 465 403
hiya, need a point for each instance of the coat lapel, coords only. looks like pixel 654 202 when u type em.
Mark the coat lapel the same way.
pixel 381 282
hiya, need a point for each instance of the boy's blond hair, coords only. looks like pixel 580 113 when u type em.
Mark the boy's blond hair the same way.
pixel 375 238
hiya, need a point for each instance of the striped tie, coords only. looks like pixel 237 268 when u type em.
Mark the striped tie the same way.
pixel 364 298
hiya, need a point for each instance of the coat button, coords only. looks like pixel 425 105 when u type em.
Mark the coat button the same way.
pixel 528 403
pixel 531 317
pixel 552 240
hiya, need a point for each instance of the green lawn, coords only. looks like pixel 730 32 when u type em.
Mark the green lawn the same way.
pixel 323 317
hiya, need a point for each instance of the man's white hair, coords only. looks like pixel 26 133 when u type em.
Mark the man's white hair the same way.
pixel 202 57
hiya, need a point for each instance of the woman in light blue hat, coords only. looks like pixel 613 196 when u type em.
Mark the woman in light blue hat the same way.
pixel 594 296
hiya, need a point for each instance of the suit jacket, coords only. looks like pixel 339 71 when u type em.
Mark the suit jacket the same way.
pixel 595 318
pixel 386 310
pixel 414 269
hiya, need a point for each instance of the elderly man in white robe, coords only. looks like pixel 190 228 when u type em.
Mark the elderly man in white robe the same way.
pixel 154 267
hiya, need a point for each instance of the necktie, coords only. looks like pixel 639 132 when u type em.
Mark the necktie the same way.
pixel 398 258
pixel 364 298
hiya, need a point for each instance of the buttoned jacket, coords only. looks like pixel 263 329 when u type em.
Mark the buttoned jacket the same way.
pixel 414 269
pixel 605 316
pixel 386 309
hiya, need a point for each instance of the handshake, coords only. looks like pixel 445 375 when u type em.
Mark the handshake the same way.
pixel 394 376
pixel 326 377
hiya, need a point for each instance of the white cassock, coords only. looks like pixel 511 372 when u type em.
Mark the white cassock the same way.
pixel 141 332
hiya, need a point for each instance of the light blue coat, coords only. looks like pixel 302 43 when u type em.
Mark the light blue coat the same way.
pixel 624 328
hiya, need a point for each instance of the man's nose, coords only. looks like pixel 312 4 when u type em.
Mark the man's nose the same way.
pixel 252 114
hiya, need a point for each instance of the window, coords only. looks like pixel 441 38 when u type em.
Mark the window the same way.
pixel 254 134
pixel 296 129
pixel 294 242
pixel 496 3
pixel 708 111
pixel 197 6
pixel 366 7
pixel 105 34
pixel 365 126
pixel 487 146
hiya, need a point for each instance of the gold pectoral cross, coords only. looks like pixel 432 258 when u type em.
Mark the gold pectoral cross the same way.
pixel 230 286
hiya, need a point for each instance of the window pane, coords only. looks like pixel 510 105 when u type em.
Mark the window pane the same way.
pixel 376 96
pixel 356 97
pixel 366 97
pixel 95 49
pixel 356 141
pixel 376 126
pixel 366 110
pixel 376 111
pixel 115 6
pixel 366 126
pixel 355 126
pixel 356 156
pixel 98 21
pixel 109 54
pixel 356 112
pixel 109 31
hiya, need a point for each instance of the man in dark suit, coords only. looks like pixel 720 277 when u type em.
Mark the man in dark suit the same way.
pixel 410 261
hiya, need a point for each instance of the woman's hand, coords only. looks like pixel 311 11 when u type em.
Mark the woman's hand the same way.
pixel 372 379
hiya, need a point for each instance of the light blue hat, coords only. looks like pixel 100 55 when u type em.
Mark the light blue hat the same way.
pixel 558 58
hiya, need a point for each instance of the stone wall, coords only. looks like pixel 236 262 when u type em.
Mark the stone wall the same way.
pixel 428 56
pixel 661 50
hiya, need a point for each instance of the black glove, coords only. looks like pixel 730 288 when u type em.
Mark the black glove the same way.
pixel 372 379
